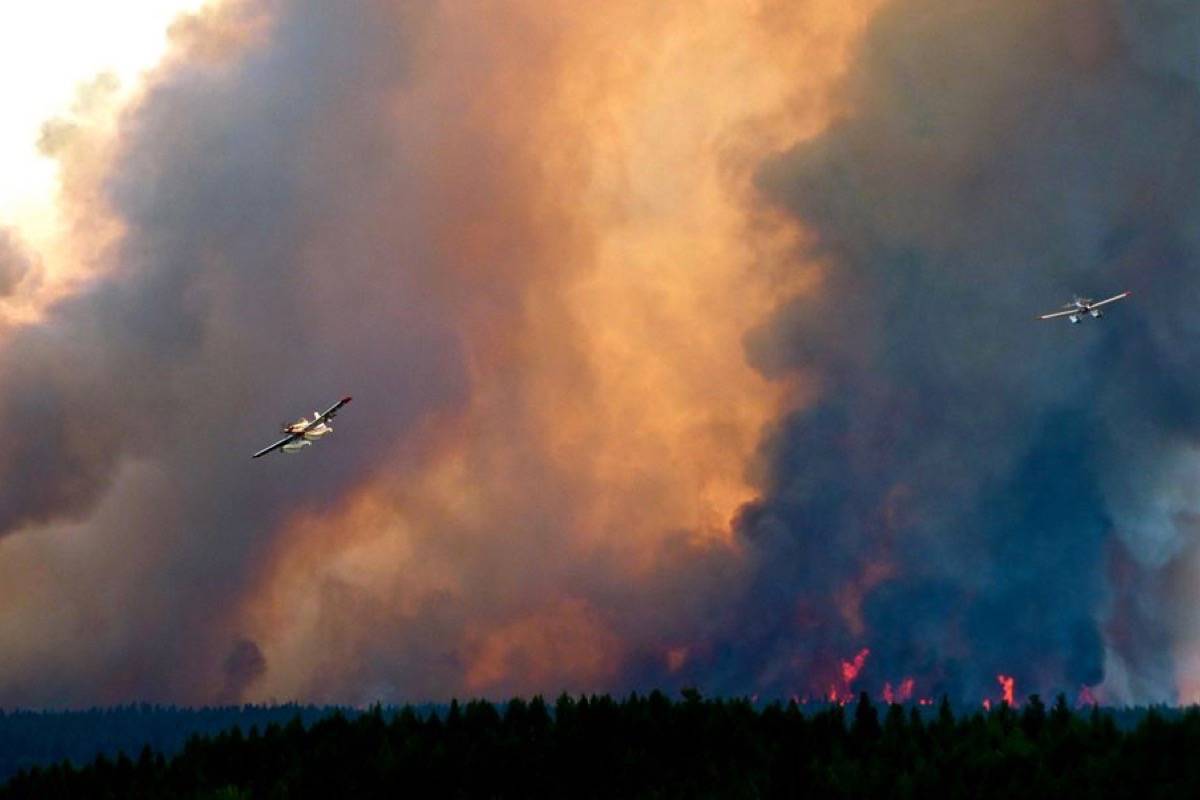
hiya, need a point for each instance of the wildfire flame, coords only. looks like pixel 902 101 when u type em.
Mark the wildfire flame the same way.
pixel 904 691
pixel 1007 687
pixel 850 672
pixel 850 669
pixel 901 694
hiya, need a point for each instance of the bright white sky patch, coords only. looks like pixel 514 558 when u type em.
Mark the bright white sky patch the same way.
pixel 47 49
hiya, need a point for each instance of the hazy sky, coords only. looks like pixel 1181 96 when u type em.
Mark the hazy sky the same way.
pixel 689 345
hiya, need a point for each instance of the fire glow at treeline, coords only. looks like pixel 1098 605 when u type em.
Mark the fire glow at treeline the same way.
pixel 690 346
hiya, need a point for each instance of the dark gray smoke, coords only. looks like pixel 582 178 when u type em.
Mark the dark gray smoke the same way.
pixel 978 493
pixel 243 666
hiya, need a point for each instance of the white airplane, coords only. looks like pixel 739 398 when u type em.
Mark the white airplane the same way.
pixel 303 432
pixel 1082 307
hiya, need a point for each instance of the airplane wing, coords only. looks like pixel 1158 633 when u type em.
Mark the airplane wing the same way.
pixel 333 410
pixel 276 446
pixel 1060 314
pixel 1112 299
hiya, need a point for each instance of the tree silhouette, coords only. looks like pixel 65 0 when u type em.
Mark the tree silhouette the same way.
pixel 651 746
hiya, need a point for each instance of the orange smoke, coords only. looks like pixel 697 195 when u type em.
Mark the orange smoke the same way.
pixel 600 245
pixel 562 646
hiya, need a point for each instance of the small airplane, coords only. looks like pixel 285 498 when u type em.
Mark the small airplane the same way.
pixel 303 432
pixel 1082 307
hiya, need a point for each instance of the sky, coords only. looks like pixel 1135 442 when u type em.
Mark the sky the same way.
pixel 689 346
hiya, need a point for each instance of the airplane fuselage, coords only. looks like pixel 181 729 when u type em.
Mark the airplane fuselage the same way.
pixel 317 431
pixel 308 435
pixel 309 431
pixel 1084 309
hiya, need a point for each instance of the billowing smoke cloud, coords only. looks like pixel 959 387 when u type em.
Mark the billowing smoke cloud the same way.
pixel 551 249
pixel 254 280
pixel 502 236
pixel 975 493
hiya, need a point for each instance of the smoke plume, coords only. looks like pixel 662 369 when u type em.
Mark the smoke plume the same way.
pixel 974 493
pixel 688 345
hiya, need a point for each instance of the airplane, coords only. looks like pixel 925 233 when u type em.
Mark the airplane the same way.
pixel 304 431
pixel 1082 307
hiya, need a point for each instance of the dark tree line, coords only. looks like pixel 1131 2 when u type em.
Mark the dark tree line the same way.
pixel 32 738
pixel 652 747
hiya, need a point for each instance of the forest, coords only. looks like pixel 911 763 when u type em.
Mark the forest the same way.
pixel 653 746
pixel 33 738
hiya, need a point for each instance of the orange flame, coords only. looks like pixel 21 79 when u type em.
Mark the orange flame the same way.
pixel 1007 686
pixel 850 669
pixel 676 658
pixel 901 694
pixel 850 672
